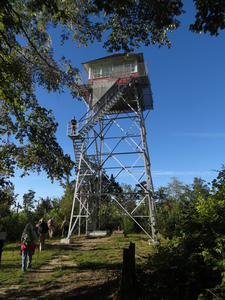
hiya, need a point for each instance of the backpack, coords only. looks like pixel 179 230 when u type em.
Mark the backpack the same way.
pixel 27 239
pixel 65 225
pixel 43 228
pixel 51 223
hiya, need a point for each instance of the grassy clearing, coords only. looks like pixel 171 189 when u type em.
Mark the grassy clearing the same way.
pixel 107 253
pixel 95 254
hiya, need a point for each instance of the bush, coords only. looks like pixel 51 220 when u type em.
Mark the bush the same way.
pixel 177 273
pixel 191 263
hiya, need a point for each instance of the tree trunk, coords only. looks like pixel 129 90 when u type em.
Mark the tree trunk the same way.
pixel 129 286
pixel 1 246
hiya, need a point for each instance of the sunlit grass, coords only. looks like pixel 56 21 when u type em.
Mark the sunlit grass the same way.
pixel 98 254
pixel 11 271
pixel 109 252
pixel 11 264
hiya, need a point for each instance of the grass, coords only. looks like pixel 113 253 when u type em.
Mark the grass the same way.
pixel 59 272
pixel 108 253
pixel 11 272
pixel 10 263
pixel 97 254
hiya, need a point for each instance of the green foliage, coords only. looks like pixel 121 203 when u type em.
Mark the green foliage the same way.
pixel 27 135
pixel 131 23
pixel 210 16
pixel 16 226
pixel 176 203
pixel 7 199
pixel 111 215
pixel 43 208
pixel 128 225
pixel 180 273
pixel 191 262
pixel 28 203
pixel 67 200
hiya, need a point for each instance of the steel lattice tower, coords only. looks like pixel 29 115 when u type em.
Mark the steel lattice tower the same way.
pixel 111 139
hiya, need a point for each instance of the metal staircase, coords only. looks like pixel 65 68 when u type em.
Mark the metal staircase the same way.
pixel 77 147
pixel 103 106
pixel 90 119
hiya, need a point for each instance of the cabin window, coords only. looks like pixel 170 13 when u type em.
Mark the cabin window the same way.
pixel 101 71
pixel 124 68
pixel 129 67
pixel 116 69
pixel 106 70
pixel 96 72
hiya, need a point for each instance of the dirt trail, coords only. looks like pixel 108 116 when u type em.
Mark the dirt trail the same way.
pixel 75 284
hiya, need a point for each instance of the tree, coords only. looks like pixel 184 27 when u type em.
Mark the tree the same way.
pixel 43 208
pixel 175 189
pixel 66 200
pixel 209 17
pixel 27 130
pixel 7 199
pixel 109 212
pixel 175 203
pixel 29 203
pixel 218 185
pixel 132 22
pixel 200 188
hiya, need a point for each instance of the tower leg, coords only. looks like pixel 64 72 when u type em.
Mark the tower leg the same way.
pixel 148 175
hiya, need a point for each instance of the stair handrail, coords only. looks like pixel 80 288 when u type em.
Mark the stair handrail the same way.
pixel 102 102
pixel 83 118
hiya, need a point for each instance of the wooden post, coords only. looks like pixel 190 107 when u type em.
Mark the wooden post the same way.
pixel 1 246
pixel 129 286
pixel 2 239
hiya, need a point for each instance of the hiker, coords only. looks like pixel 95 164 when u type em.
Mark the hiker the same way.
pixel 28 244
pixel 65 227
pixel 51 227
pixel 73 123
pixel 42 231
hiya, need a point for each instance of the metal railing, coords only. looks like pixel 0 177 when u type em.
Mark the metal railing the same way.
pixel 71 130
pixel 88 118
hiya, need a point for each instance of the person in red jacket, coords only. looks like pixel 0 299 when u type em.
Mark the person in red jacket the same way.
pixel 28 244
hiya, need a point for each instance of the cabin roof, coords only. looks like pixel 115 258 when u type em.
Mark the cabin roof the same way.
pixel 115 57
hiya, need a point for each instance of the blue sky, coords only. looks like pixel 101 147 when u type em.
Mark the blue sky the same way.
pixel 186 131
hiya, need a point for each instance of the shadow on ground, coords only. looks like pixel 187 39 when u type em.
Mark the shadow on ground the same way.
pixel 99 266
pixel 62 247
pixel 96 292
pixel 11 248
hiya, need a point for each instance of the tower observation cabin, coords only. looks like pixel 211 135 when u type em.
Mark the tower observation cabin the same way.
pixel 110 140
pixel 115 71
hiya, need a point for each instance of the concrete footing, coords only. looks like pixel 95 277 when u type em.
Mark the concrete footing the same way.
pixel 65 241
pixel 97 233
pixel 116 232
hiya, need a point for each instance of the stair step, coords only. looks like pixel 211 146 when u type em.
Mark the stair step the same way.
pixel 104 106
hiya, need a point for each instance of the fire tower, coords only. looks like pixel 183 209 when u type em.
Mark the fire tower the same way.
pixel 111 139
